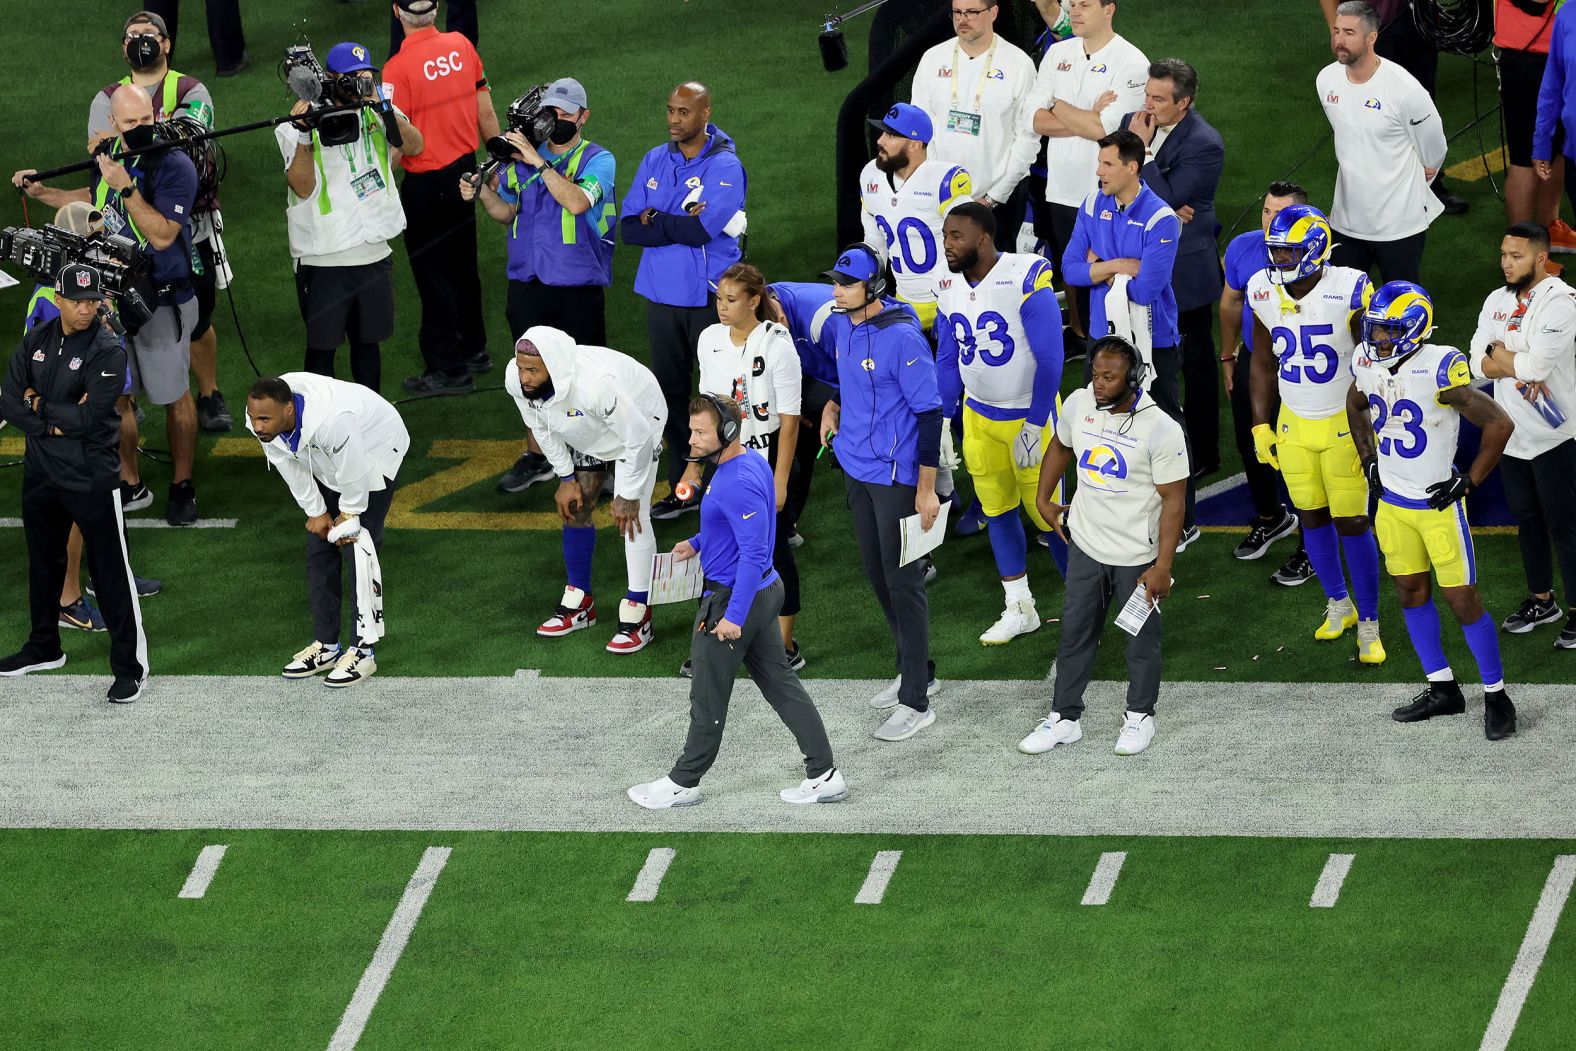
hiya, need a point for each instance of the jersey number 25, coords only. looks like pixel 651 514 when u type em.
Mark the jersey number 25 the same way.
pixel 1323 361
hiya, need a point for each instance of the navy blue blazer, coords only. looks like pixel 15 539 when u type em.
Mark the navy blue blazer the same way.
pixel 1186 171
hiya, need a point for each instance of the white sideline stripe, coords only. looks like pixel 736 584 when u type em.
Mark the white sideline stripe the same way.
pixel 1328 888
pixel 1224 485
pixel 528 673
pixel 208 859
pixel 650 879
pixel 406 913
pixel 881 868
pixel 1539 933
pixel 148 523
pixel 1104 879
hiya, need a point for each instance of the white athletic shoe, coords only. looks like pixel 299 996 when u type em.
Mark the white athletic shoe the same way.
pixel 353 667
pixel 315 658
pixel 1053 731
pixel 828 788
pixel 1137 731
pixel 1019 618
pixel 664 793
pixel 887 698
pixel 904 723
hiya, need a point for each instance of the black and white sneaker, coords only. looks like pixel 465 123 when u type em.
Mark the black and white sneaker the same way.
pixel 1263 534
pixel 796 661
pixel 1567 639
pixel 213 415
pixel 687 669
pixel 1298 569
pixel 1533 611
pixel 24 662
pixel 1189 535
pixel 124 690
pixel 135 497
pixel 670 507
pixel 529 469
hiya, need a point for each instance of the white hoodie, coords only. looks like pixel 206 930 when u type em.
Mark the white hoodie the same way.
pixel 604 404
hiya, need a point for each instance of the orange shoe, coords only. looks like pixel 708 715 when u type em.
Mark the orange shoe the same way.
pixel 1554 269
pixel 1561 237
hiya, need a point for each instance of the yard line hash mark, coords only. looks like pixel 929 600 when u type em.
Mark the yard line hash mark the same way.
pixel 1328 889
pixel 881 868
pixel 208 859
pixel 1104 879
pixel 354 1021
pixel 1540 931
pixel 650 879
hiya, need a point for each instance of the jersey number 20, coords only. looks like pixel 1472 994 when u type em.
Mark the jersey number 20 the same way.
pixel 901 247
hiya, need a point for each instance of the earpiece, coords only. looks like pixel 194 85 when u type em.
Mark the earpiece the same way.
pixel 728 422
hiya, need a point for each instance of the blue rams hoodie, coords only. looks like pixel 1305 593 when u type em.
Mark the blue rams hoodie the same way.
pixel 684 255
pixel 890 423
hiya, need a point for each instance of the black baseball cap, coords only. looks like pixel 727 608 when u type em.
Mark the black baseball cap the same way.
pixel 79 281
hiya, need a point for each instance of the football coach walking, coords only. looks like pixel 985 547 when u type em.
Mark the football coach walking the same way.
pixel 737 622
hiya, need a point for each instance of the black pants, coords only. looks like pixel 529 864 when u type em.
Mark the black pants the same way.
pixel 1396 260
pixel 1091 588
pixel 1164 385
pixel 225 35
pixel 323 561
pixel 782 555
pixel 715 664
pixel 460 19
pixel 1401 43
pixel 900 590
pixel 347 302
pixel 1009 219
pixel 1542 495
pixel 580 310
pixel 440 237
pixel 48 512
pixel 674 333
pixel 1201 383
pixel 1264 484
pixel 815 396
pixel 1053 224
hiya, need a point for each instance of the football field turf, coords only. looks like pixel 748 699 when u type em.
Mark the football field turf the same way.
pixel 1274 752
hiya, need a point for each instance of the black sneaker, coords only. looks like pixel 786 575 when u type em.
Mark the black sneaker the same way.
pixel 671 506
pixel 479 364
pixel 135 497
pixel 1499 715
pixel 182 507
pixel 1263 534
pixel 1453 205
pixel 1567 639
pixel 1533 611
pixel 796 661
pixel 1189 535
pixel 1441 698
pixel 213 415
pixel 124 690
pixel 527 470
pixel 241 66
pixel 24 662
pixel 438 384
pixel 930 569
pixel 687 670
pixel 1297 570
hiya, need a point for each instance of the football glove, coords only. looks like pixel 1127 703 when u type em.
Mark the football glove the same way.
pixel 1264 445
pixel 1371 472
pixel 949 458
pixel 1026 450
pixel 1442 494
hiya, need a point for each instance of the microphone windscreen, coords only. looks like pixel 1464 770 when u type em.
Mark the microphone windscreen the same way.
pixel 304 83
pixel 834 50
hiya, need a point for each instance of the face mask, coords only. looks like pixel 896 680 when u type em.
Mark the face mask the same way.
pixel 137 137
pixel 144 52
pixel 563 131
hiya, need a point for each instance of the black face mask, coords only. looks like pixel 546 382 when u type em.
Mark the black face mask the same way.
pixel 144 52
pixel 137 137
pixel 563 131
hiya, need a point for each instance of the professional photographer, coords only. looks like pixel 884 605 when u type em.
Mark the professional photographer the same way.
pixel 151 200
pixel 175 95
pixel 557 205
pixel 60 391
pixel 343 210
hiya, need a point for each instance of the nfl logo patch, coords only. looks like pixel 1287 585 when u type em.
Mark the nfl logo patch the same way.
pixel 84 279
pixel 76 363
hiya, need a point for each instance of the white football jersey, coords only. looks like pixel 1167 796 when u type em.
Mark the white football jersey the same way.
pixel 1416 434
pixel 1311 337
pixel 904 222
pixel 986 322
pixel 763 376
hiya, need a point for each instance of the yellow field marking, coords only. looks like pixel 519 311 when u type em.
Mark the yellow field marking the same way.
pixel 247 447
pixel 1473 168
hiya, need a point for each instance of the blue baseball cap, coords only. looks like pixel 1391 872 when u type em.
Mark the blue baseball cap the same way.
pixel 857 263
pixel 566 94
pixel 349 57
pixel 906 122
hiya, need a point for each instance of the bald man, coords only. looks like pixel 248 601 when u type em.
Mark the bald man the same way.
pixel 150 198
pixel 685 209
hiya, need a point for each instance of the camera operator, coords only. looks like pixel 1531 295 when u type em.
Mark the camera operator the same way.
pixel 557 205
pixel 343 210
pixel 60 391
pixel 146 46
pixel 151 200
pixel 437 78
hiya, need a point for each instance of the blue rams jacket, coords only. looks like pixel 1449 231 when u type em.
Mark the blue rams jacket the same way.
pixel 1146 230
pixel 890 422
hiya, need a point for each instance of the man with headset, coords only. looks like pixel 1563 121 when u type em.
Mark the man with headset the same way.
pixel 1125 520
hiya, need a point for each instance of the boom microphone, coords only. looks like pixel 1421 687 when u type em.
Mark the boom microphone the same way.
pixel 307 86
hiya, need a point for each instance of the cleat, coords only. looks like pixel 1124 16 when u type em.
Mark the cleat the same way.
pixel 315 658
pixel 828 788
pixel 664 794
pixel 904 723
pixel 1339 614
pixel 1533 612
pixel 1262 535
pixel 1138 729
pixel 355 665
pixel 82 616
pixel 1369 649
pixel 1499 715
pixel 23 663
pixel 1440 698
pixel 634 628
pixel 529 469
pixel 887 698
pixel 1298 569
pixel 1053 731
pixel 123 690
pixel 971 522
pixel 575 610
pixel 1019 618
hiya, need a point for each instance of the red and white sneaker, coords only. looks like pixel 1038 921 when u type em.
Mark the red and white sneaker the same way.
pixel 575 610
pixel 634 628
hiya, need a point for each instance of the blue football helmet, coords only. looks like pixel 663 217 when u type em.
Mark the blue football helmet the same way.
pixel 1399 317
pixel 1303 229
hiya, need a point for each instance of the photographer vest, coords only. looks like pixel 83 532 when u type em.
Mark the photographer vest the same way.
pixel 550 244
pixel 181 95
pixel 355 202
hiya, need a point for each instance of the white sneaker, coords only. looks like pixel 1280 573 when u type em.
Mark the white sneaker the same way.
pixel 828 788
pixel 1019 618
pixel 1137 731
pixel 664 793
pixel 887 698
pixel 1053 731
pixel 315 658
pixel 353 667
pixel 904 723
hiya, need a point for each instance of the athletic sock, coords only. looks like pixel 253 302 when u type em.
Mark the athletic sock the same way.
pixel 1483 641
pixel 1018 590
pixel 579 544
pixel 637 597
pixel 1422 624
pixel 1008 543
pixel 1362 561
pixel 1326 559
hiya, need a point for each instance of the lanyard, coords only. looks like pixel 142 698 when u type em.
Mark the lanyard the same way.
pixel 568 162
pixel 979 87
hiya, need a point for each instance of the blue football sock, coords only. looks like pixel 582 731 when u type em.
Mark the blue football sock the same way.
pixel 1326 559
pixel 1008 544
pixel 638 597
pixel 1362 561
pixel 1422 623
pixel 1483 640
pixel 579 544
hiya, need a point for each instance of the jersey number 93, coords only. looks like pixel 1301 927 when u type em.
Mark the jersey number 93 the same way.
pixel 994 343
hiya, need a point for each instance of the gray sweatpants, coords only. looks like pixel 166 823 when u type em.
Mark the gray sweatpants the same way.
pixel 715 665
pixel 876 511
pixel 1091 586
pixel 324 560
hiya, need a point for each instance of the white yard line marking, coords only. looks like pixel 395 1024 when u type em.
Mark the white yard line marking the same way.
pixel 1328 889
pixel 1223 486
pixel 148 523
pixel 208 859
pixel 528 673
pixel 881 869
pixel 406 913
pixel 1104 878
pixel 650 879
pixel 1539 932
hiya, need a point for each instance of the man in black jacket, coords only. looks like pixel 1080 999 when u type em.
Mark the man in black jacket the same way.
pixel 60 391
